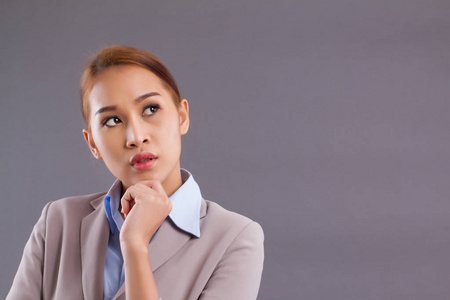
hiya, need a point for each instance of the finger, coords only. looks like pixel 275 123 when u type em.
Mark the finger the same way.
pixel 134 194
pixel 128 198
pixel 126 206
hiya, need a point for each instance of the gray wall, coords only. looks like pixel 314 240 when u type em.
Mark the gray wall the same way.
pixel 326 121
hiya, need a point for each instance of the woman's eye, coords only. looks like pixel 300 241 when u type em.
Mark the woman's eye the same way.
pixel 111 122
pixel 150 110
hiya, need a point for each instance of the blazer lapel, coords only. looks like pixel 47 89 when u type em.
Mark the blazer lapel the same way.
pixel 94 240
pixel 166 242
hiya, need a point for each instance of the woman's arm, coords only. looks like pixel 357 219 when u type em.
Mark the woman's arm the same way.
pixel 145 206
pixel 139 281
pixel 28 280
pixel 238 274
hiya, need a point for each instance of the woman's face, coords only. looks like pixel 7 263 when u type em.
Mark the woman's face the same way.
pixel 135 127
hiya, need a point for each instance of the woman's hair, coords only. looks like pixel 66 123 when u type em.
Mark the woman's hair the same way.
pixel 121 55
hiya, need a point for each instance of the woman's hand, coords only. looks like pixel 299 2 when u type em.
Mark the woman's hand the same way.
pixel 145 206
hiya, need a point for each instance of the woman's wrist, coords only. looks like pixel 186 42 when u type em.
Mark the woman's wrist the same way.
pixel 133 249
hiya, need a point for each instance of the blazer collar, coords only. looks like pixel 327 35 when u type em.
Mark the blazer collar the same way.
pixel 94 240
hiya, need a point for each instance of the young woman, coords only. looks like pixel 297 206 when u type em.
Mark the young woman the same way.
pixel 152 235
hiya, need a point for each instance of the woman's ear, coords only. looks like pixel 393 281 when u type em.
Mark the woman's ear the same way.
pixel 183 112
pixel 90 141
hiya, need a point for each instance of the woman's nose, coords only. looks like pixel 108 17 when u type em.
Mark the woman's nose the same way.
pixel 136 134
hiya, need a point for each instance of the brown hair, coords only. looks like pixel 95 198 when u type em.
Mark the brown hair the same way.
pixel 121 55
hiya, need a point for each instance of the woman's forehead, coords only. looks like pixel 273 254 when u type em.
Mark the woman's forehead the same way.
pixel 122 82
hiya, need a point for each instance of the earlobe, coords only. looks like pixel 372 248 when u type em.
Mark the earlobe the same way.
pixel 89 140
pixel 184 116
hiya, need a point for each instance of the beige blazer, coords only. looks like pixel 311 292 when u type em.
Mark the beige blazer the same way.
pixel 65 255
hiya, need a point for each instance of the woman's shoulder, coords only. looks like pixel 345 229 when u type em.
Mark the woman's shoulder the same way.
pixel 226 222
pixel 75 205
pixel 215 210
pixel 230 239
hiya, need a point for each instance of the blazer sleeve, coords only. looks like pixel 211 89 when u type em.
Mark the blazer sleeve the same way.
pixel 238 274
pixel 27 283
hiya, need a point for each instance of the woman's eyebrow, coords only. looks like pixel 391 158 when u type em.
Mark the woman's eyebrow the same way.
pixel 137 100
pixel 145 96
pixel 106 108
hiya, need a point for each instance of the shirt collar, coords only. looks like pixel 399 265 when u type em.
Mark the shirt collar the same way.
pixel 186 204
pixel 111 203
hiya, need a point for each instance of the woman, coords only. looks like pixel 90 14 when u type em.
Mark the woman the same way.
pixel 151 235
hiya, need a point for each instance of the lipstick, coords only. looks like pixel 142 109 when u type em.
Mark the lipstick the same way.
pixel 143 161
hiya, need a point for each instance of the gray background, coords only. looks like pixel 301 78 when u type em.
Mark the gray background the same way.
pixel 325 121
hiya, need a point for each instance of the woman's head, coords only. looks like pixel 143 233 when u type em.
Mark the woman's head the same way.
pixel 135 117
pixel 121 55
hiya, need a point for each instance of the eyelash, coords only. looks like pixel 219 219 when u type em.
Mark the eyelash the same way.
pixel 153 107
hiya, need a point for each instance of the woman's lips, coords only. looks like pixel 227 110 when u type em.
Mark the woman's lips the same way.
pixel 143 161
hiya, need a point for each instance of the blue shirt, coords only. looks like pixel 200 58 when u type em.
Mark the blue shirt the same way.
pixel 185 214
